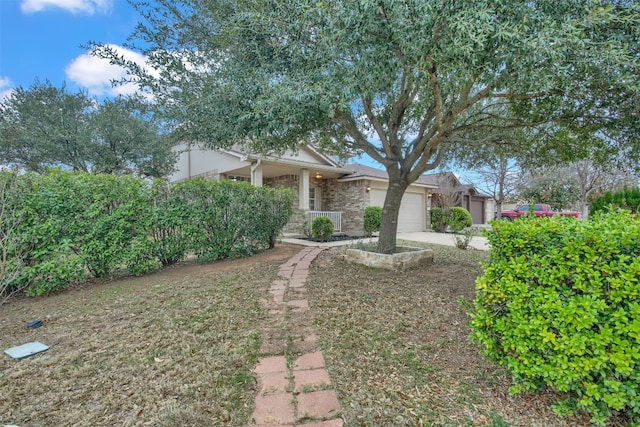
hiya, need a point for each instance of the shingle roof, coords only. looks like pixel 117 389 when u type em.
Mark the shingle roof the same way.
pixel 359 171
pixel 436 178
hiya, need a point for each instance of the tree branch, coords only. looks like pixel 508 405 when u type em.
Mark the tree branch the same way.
pixel 359 141
pixel 433 77
pixel 373 119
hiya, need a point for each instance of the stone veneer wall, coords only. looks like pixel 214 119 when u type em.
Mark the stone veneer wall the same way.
pixel 350 198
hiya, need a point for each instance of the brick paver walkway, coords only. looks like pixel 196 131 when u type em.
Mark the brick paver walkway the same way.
pixel 294 388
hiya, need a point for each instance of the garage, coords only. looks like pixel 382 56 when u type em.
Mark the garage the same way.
pixel 412 215
pixel 476 208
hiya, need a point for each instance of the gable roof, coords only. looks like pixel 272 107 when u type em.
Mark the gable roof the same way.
pixel 358 171
pixel 305 155
pixel 437 178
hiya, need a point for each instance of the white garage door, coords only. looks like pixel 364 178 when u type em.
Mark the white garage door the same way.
pixel 412 210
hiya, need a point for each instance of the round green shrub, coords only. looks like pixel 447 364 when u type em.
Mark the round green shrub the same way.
pixel 322 228
pixel 559 306
pixel 438 220
pixel 372 219
pixel 459 218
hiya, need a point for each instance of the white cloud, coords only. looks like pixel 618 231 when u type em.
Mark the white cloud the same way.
pixel 74 6
pixel 6 87
pixel 96 74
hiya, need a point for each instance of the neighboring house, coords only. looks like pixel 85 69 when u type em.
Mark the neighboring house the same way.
pixel 451 192
pixel 322 185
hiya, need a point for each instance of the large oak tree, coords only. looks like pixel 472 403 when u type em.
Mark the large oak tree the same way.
pixel 46 126
pixel 402 81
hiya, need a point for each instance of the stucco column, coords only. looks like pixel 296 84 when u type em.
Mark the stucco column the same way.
pixel 256 174
pixel 303 190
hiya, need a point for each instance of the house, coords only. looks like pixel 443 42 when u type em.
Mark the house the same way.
pixel 451 192
pixel 322 185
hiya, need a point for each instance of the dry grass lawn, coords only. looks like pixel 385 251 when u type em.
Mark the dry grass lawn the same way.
pixel 172 349
pixel 177 348
pixel 397 347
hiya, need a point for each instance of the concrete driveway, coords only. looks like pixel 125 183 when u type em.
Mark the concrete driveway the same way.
pixel 478 242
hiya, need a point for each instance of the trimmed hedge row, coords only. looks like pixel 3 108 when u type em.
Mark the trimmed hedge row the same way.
pixel 627 198
pixel 559 306
pixel 76 225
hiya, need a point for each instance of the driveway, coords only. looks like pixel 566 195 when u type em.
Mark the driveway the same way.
pixel 478 242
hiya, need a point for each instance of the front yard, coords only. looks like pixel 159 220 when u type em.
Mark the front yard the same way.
pixel 171 349
pixel 177 348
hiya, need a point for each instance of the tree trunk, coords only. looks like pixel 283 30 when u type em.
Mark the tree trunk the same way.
pixel 389 220
pixel 498 209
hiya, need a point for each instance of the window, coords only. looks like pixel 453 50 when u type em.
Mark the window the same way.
pixel 238 178
pixel 314 199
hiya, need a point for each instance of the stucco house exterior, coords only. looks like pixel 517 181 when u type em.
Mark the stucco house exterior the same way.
pixel 322 185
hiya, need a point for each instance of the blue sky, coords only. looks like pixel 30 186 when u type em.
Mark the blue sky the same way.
pixel 42 39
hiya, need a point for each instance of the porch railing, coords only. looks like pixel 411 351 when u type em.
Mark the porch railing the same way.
pixel 335 217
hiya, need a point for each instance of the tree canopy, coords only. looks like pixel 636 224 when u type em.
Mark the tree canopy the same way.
pixel 402 81
pixel 47 126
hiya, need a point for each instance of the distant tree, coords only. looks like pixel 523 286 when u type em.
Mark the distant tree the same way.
pixel 500 180
pixel 45 126
pixel 449 192
pixel 402 82
pixel 555 187
pixel 496 167
pixel 603 169
pixel 592 177
pixel 128 139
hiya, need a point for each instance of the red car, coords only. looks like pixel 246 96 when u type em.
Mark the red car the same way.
pixel 538 210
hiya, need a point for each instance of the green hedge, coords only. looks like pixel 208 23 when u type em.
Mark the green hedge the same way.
pixel 232 219
pixel 559 306
pixel 372 219
pixel 457 218
pixel 69 226
pixel 628 198
pixel 438 220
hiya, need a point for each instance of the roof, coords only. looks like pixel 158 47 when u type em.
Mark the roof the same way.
pixel 358 171
pixel 436 179
pixel 288 156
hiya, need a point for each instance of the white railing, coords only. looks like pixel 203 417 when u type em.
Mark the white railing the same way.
pixel 335 217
